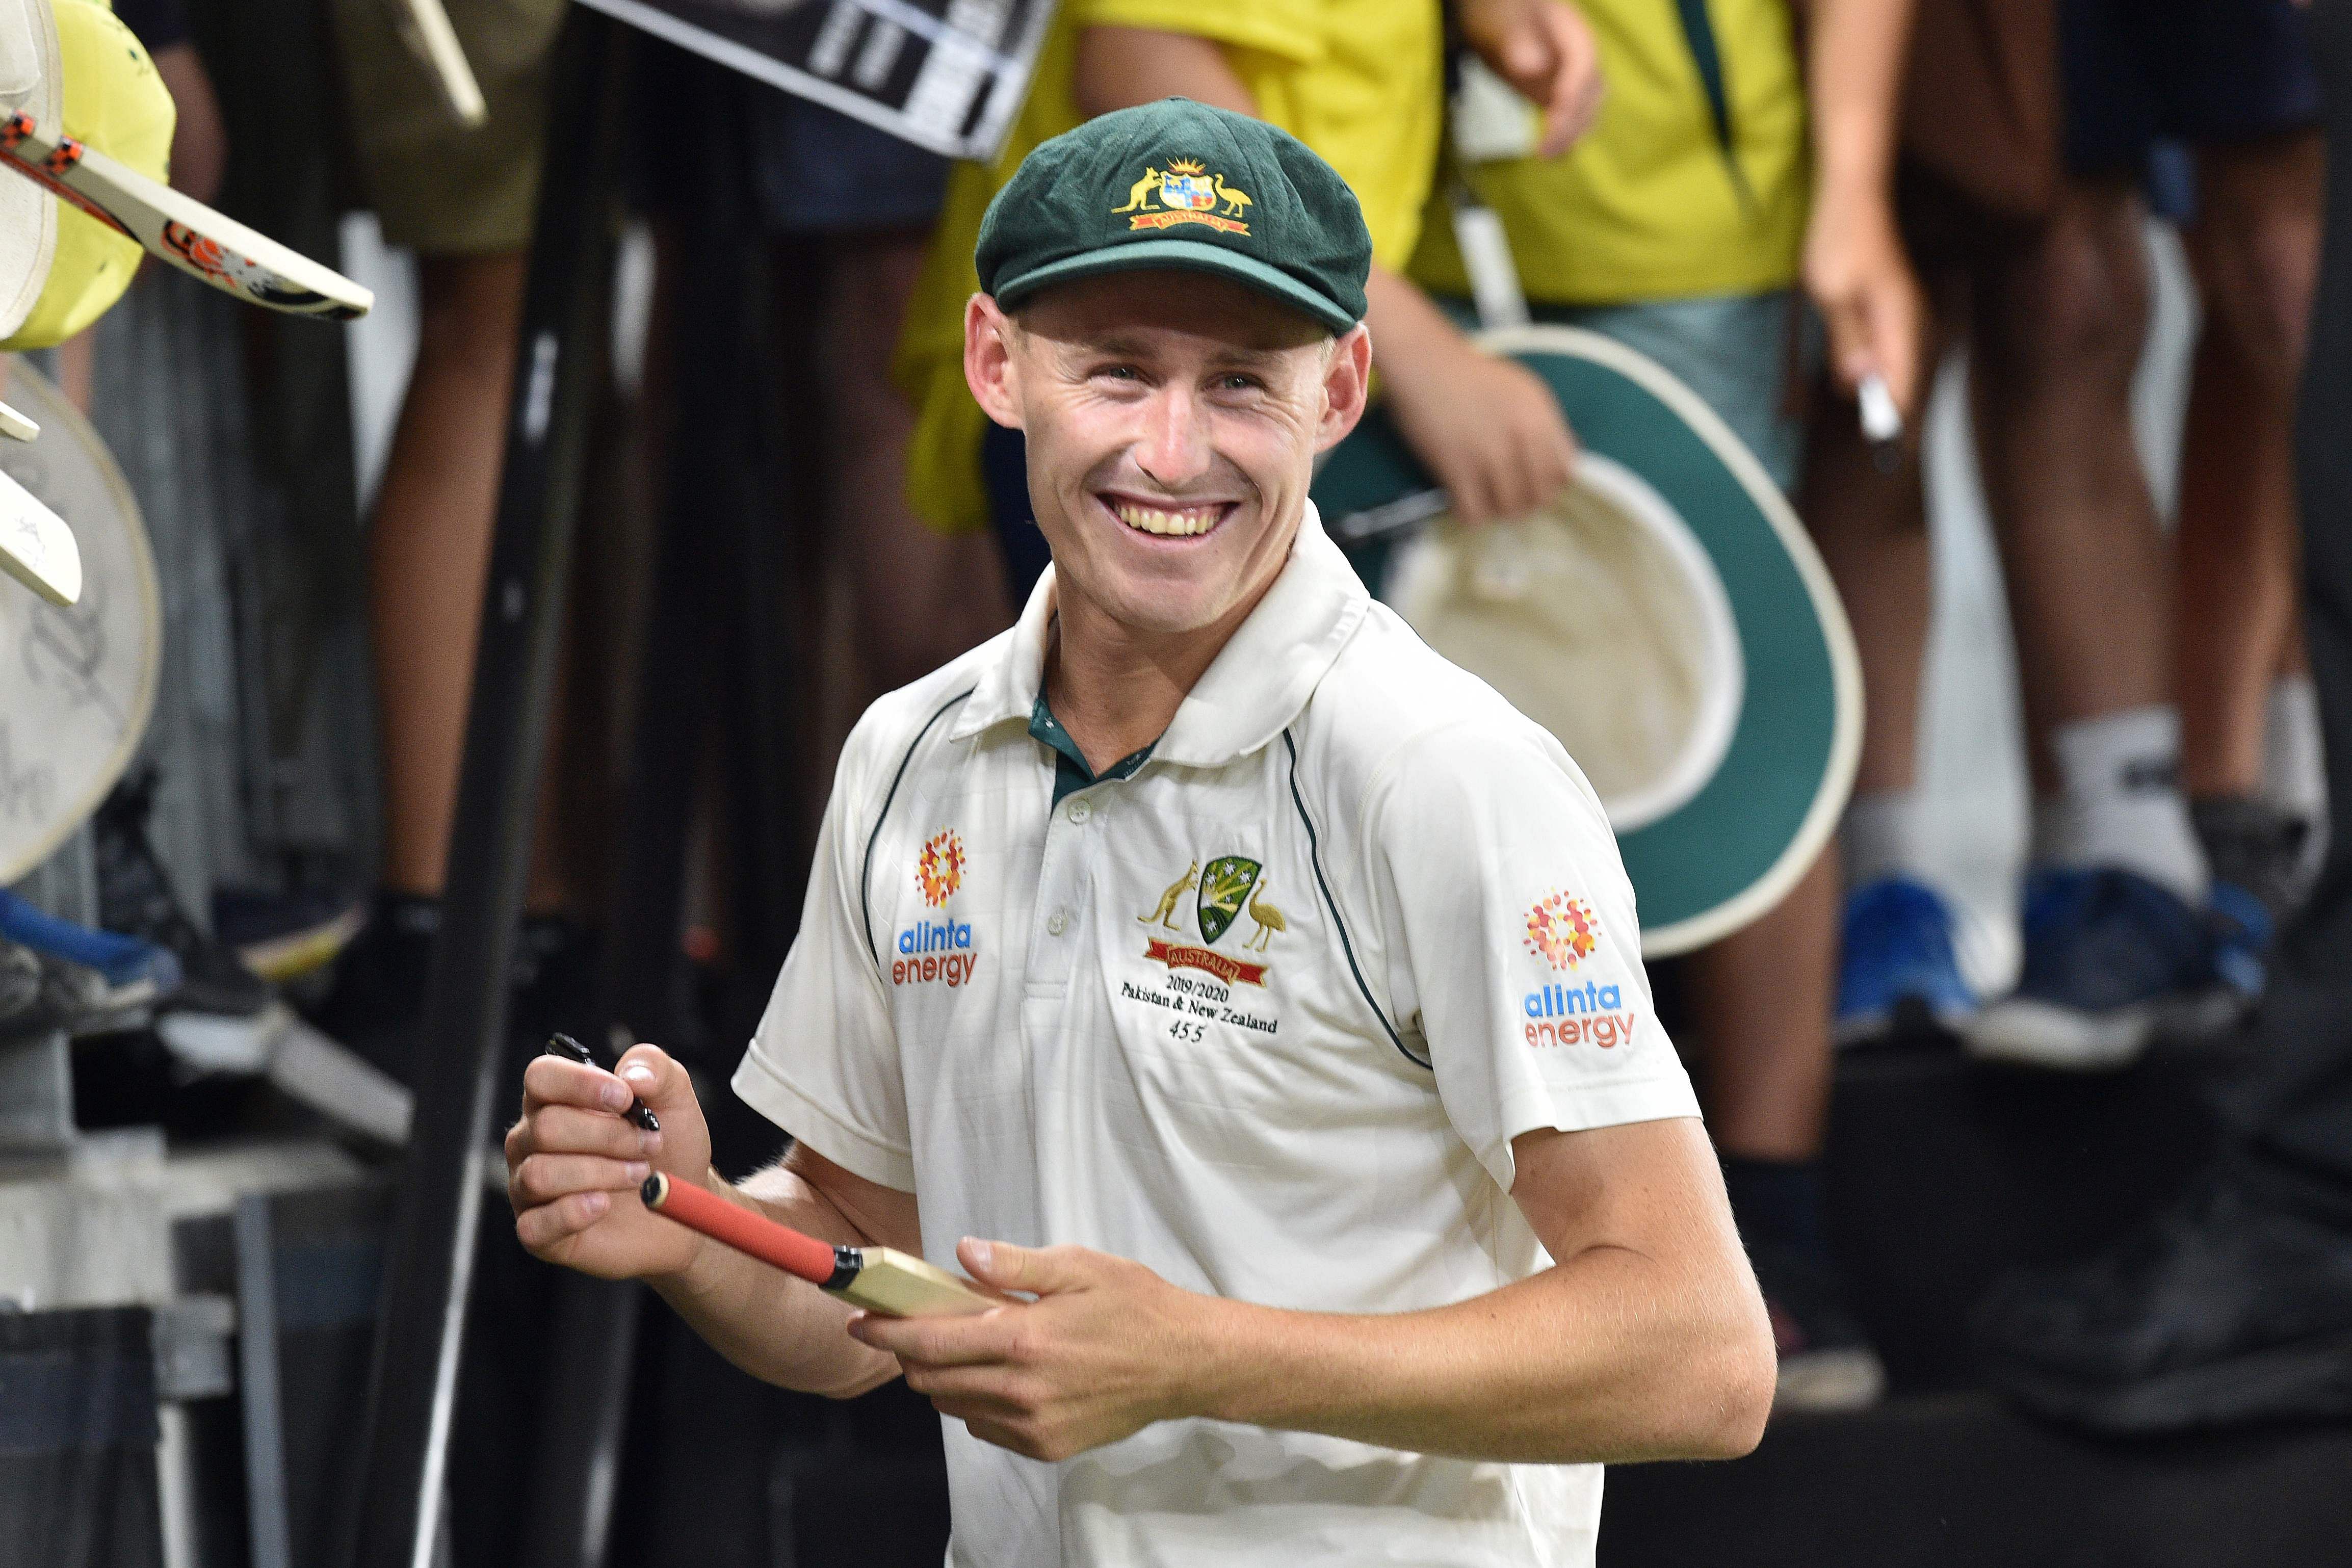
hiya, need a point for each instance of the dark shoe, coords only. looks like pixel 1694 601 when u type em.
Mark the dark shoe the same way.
pixel 2256 853
pixel 2219 1311
pixel 135 896
pixel 283 937
pixel 1826 1362
pixel 2110 959
pixel 376 1004
pixel 2255 849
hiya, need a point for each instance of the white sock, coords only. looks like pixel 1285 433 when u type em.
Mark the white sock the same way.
pixel 2294 773
pixel 2119 801
pixel 2294 763
pixel 1885 834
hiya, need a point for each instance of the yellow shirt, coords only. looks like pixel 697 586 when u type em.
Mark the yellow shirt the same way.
pixel 1644 208
pixel 1361 81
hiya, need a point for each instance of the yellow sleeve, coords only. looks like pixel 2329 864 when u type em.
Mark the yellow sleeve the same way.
pixel 1292 31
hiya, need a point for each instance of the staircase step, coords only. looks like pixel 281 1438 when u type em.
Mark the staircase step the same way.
pixel 1957 1480
pixel 1942 1174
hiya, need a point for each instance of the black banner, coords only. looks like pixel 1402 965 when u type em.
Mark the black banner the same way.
pixel 948 75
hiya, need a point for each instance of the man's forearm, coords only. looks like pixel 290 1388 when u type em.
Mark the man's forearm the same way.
pixel 1855 53
pixel 780 1330
pixel 1596 1359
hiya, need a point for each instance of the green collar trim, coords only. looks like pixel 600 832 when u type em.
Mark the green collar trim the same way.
pixel 1071 773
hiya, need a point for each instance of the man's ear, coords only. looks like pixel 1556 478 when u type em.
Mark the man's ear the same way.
pixel 987 367
pixel 1347 386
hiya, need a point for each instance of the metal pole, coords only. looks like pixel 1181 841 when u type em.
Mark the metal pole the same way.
pixel 414 1387
pixel 265 1423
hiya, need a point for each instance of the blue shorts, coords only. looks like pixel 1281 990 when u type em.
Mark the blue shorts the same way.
pixel 2139 73
pixel 819 172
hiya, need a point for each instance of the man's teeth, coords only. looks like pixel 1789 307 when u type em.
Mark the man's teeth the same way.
pixel 1184 523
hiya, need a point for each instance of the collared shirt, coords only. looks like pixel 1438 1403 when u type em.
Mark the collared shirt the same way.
pixel 1264 1014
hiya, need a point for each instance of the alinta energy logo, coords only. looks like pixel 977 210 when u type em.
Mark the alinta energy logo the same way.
pixel 937 950
pixel 1562 931
pixel 940 866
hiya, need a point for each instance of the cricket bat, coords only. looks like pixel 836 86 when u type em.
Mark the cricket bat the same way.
pixel 425 25
pixel 177 228
pixel 878 1278
pixel 16 426
pixel 36 548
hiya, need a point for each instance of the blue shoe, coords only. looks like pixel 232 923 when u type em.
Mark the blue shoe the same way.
pixel 1898 957
pixel 2241 926
pixel 137 971
pixel 2110 957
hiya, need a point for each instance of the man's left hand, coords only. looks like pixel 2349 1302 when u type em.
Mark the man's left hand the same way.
pixel 1861 279
pixel 1103 1352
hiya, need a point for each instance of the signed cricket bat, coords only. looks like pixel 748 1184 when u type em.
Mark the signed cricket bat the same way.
pixel 176 228
pixel 878 1278
pixel 36 548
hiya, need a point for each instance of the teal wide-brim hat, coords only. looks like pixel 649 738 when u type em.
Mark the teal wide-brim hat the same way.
pixel 1666 618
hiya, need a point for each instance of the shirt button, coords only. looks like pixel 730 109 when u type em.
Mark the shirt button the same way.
pixel 1080 811
pixel 1057 922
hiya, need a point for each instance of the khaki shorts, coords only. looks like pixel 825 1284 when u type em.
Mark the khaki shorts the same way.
pixel 435 184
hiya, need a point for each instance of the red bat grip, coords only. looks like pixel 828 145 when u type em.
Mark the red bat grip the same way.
pixel 714 1216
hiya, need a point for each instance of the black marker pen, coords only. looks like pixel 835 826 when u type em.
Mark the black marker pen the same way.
pixel 566 1047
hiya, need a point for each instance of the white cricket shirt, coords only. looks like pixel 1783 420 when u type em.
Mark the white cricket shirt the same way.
pixel 1264 1014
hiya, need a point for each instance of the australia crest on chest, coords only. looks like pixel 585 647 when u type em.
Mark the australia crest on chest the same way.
pixel 1208 947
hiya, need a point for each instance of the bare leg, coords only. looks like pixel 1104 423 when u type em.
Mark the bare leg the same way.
pixel 1760 1001
pixel 922 597
pixel 1872 531
pixel 2058 333
pixel 430 546
pixel 2255 253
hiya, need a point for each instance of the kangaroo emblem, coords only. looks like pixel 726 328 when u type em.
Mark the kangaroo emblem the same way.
pixel 1137 191
pixel 1166 913
pixel 1269 920
pixel 1232 197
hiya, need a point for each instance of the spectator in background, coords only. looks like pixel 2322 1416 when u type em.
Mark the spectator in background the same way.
pixel 1681 226
pixel 2045 271
pixel 2235 83
pixel 464 201
pixel 2235 1303
pixel 1360 82
pixel 867 201
pixel 2113 945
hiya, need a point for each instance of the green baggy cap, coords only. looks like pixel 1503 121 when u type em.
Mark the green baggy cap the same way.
pixel 1178 183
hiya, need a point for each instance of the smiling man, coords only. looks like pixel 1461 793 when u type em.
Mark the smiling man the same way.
pixel 1223 968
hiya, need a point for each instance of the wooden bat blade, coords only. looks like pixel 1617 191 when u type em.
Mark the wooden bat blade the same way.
pixel 175 227
pixel 436 40
pixel 15 425
pixel 36 548
pixel 900 1285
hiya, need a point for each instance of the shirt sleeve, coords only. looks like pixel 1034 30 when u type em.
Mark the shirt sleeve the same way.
pixel 824 1065
pixel 1283 28
pixel 1512 940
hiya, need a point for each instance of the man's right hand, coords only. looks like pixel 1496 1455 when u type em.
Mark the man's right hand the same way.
pixel 574 1164
pixel 1486 429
